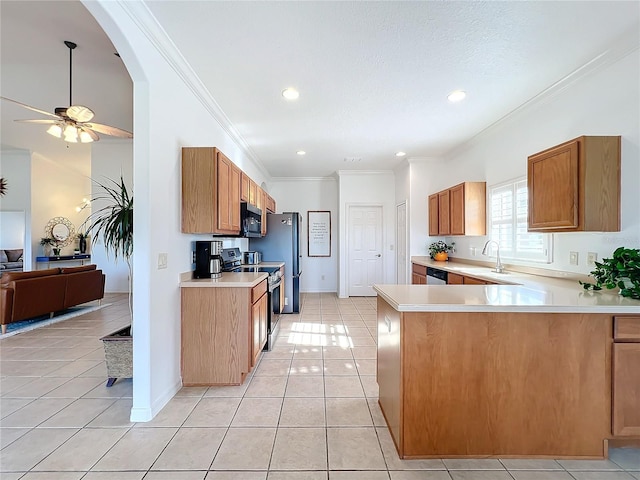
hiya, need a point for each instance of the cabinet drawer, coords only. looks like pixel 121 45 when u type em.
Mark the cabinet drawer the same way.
pixel 419 269
pixel 258 291
pixel 626 329
pixel 455 279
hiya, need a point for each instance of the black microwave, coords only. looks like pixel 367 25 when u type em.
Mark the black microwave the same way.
pixel 250 220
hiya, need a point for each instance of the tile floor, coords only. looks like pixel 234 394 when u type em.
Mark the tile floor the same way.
pixel 309 411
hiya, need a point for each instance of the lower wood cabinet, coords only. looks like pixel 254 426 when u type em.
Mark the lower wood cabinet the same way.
pixel 455 279
pixel 626 376
pixel 223 331
pixel 258 321
pixel 418 274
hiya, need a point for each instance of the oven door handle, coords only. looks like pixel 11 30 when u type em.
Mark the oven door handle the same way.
pixel 273 286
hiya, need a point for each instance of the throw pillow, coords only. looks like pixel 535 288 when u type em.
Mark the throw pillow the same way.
pixel 3 257
pixel 14 255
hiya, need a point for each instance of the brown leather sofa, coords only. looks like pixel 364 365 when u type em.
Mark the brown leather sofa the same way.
pixel 26 295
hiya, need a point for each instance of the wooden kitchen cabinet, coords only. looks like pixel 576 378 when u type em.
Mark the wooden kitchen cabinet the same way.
pixel 467 207
pixel 253 193
pixel 418 274
pixel 215 332
pixel 258 321
pixel 245 182
pixel 626 376
pixel 444 227
pixel 473 281
pixel 454 279
pixel 575 186
pixel 459 210
pixel 271 204
pixel 210 192
pixel 434 229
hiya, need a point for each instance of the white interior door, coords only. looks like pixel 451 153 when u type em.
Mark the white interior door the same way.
pixel 401 243
pixel 364 249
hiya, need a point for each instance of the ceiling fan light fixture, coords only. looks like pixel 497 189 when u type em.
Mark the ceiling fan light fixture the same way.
pixel 55 130
pixel 290 93
pixel 456 96
pixel 70 134
pixel 84 136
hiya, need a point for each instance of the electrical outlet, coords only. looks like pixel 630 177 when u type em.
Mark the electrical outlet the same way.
pixel 591 258
pixel 286 300
pixel 322 277
pixel 162 260
pixel 573 258
pixel 473 251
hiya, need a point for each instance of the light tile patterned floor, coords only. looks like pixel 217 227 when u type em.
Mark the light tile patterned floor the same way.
pixel 308 412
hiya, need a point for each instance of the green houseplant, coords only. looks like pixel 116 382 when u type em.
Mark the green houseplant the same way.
pixel 47 243
pixel 439 250
pixel 114 223
pixel 622 270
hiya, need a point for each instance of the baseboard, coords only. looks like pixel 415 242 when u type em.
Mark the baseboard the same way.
pixel 147 414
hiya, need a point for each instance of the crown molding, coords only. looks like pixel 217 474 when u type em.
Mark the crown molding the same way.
pixel 149 26
pixel 346 173
pixel 626 44
pixel 303 179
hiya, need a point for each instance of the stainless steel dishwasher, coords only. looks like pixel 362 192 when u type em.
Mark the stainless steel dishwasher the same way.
pixel 436 277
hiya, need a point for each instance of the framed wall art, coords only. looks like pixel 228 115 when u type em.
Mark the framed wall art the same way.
pixel 319 233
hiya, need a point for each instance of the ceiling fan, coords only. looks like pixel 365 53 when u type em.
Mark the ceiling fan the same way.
pixel 73 123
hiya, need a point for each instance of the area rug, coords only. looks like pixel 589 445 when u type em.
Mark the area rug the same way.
pixel 44 320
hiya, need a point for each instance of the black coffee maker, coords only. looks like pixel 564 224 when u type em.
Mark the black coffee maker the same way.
pixel 208 259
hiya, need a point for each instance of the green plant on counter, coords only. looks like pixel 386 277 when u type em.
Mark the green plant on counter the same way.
pixel 440 247
pixel 47 241
pixel 622 271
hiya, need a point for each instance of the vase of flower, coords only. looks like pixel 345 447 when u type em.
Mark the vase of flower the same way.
pixel 439 251
pixel 47 243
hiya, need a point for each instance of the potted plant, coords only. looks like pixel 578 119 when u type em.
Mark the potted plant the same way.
pixel 622 271
pixel 439 250
pixel 47 243
pixel 114 222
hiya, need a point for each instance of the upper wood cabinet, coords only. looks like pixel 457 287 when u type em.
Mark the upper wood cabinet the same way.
pixel 245 188
pixel 253 193
pixel 433 215
pixel 210 192
pixel 271 204
pixel 575 186
pixel 459 210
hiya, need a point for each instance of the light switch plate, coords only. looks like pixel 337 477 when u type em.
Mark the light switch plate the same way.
pixel 573 258
pixel 162 260
pixel 592 257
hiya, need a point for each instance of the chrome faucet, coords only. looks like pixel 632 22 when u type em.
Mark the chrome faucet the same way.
pixel 499 267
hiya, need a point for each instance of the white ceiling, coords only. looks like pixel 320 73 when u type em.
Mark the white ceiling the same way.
pixel 373 76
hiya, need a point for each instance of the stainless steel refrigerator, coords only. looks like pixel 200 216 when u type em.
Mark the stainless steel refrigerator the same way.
pixel 282 244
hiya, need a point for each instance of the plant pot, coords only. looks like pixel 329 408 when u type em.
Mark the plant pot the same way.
pixel 118 353
pixel 441 257
pixel 82 245
pixel 47 250
pixel 56 252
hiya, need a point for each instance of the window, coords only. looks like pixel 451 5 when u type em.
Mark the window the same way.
pixel 508 205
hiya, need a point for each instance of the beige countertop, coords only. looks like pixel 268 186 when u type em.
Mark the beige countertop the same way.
pixel 520 292
pixel 227 280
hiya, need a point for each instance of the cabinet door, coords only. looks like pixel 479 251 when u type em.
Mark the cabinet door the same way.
pixel 444 227
pixel 456 209
pixel 552 182
pixel 253 193
pixel 626 389
pixel 271 204
pixel 198 192
pixel 281 288
pixel 418 279
pixel 228 210
pixel 264 306
pixel 454 279
pixel 473 281
pixel 257 333
pixel 433 215
pixel 244 189
pixel 262 205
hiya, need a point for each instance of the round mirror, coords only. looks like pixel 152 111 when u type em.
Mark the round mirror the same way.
pixel 61 230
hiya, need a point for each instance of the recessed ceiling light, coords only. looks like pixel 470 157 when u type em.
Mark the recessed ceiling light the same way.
pixel 400 154
pixel 290 93
pixel 456 96
pixel 301 152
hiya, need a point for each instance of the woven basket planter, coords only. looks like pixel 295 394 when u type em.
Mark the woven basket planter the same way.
pixel 118 352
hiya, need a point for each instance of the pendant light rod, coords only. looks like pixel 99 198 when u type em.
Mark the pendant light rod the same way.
pixel 71 46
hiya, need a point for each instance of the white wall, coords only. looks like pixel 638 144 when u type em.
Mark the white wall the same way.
pixel 319 274
pixel 158 139
pixel 109 160
pixel 603 102
pixel 15 166
pixel 367 188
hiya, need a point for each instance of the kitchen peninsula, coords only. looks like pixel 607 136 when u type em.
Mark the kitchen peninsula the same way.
pixel 504 370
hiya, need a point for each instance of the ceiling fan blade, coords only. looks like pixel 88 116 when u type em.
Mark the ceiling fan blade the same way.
pixel 31 108
pixel 80 113
pixel 91 133
pixel 107 130
pixel 46 122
